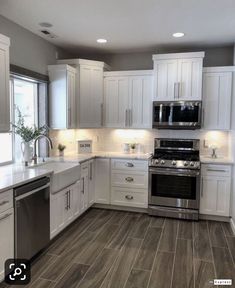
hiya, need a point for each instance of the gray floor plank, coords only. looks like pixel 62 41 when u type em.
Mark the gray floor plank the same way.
pixel 140 228
pixel 185 229
pixel 73 276
pixel 223 264
pixel 138 279
pixel 202 249
pixel 148 249
pixel 42 283
pixel 183 275
pixel 124 263
pixel 97 225
pixel 227 229
pixel 118 217
pixel 157 222
pixel 162 271
pixel 216 234
pixel 231 245
pixel 168 240
pixel 204 274
pixel 97 272
pixel 89 255
pixel 63 263
pixel 121 235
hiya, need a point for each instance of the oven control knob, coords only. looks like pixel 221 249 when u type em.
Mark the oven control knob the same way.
pixel 185 163
pixel 173 162
pixel 156 161
pixel 191 164
pixel 162 162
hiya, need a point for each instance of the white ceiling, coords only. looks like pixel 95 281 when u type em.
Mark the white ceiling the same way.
pixel 128 25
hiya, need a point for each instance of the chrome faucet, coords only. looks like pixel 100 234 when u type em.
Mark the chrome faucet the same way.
pixel 35 156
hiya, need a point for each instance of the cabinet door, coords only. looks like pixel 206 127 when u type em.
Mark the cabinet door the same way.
pixel 116 101
pixel 4 88
pixel 91 183
pixel 140 101
pixel 91 97
pixel 76 199
pixel 165 80
pixel 102 180
pixel 6 238
pixel 217 93
pixel 215 196
pixel 71 113
pixel 189 79
pixel 84 187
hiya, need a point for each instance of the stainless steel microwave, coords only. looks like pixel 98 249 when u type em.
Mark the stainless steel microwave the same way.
pixel 177 115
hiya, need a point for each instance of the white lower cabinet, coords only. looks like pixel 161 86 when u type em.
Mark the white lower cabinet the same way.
pixel 129 183
pixel 64 208
pixel 102 180
pixel 6 238
pixel 215 190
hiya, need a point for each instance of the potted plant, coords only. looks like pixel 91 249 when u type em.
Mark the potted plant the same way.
pixel 133 147
pixel 28 134
pixel 61 149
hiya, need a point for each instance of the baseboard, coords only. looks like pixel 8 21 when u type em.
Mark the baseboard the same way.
pixel 214 218
pixel 120 208
pixel 232 223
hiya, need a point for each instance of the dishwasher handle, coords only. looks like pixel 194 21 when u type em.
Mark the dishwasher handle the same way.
pixel 31 186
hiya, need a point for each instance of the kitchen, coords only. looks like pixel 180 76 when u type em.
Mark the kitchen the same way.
pixel 117 159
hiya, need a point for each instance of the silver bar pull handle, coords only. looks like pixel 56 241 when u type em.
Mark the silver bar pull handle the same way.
pixel 129 197
pixel 66 205
pixel 69 117
pixel 5 216
pixel 102 114
pixel 126 117
pixel 91 171
pixel 202 188
pixel 83 185
pixel 175 90
pixel 130 113
pixel 3 203
pixel 179 91
pixel 216 170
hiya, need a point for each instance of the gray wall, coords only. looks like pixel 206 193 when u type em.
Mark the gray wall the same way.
pixel 29 50
pixel 217 56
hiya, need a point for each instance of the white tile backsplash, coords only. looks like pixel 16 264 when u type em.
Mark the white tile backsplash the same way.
pixel 112 140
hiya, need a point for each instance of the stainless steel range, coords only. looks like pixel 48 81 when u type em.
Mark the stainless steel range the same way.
pixel 174 176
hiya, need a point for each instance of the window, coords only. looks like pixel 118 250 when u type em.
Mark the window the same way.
pixel 25 98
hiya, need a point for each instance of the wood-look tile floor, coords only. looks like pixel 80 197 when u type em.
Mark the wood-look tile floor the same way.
pixel 111 249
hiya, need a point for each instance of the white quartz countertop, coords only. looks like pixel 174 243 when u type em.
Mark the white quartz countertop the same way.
pixel 205 159
pixel 17 174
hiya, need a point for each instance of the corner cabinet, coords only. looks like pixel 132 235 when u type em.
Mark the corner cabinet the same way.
pixel 217 97
pixel 178 76
pixel 215 190
pixel 128 99
pixel 4 84
pixel 62 98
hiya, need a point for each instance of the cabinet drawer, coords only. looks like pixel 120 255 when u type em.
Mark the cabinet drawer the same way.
pixel 129 197
pixel 130 165
pixel 216 170
pixel 6 200
pixel 131 180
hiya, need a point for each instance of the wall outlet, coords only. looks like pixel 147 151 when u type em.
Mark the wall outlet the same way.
pixel 206 143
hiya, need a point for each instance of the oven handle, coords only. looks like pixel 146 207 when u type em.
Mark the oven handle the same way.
pixel 187 173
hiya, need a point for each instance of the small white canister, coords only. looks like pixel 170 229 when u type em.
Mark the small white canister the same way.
pixel 126 148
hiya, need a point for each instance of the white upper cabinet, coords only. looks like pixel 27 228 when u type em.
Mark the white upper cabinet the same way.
pixel 128 99
pixel 62 98
pixel 4 84
pixel 116 101
pixel 217 97
pixel 178 76
pixel 89 91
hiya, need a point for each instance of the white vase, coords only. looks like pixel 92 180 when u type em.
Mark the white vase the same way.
pixel 26 150
pixel 61 153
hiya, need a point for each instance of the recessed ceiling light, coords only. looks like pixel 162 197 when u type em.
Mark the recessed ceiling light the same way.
pixel 178 34
pixel 102 41
pixel 45 24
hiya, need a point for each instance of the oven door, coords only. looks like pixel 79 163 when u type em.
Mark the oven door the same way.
pixel 174 187
pixel 177 115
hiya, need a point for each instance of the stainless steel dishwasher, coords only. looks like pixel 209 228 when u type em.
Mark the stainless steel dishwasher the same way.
pixel 32 218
